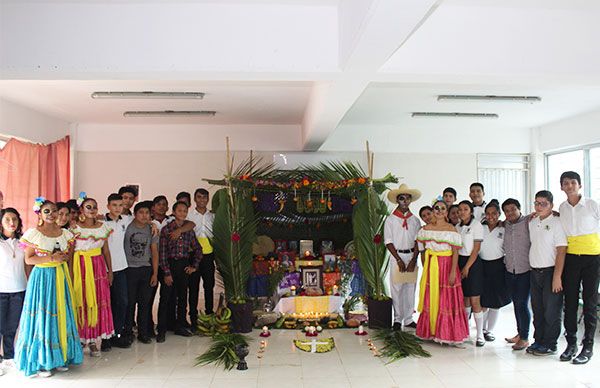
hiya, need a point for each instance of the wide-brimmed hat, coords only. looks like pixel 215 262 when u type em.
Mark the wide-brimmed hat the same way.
pixel 263 246
pixel 403 189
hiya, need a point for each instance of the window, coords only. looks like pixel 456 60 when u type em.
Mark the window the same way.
pixel 585 161
pixel 505 176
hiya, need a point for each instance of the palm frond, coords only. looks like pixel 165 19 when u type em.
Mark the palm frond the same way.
pixel 368 219
pixel 399 344
pixel 222 351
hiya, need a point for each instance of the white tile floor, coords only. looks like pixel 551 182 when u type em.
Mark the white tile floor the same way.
pixel 350 364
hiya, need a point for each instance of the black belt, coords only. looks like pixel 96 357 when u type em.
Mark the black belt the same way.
pixel 545 269
pixel 406 250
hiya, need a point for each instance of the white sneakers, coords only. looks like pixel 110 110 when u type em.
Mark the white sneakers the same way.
pixel 1 371
pixel 44 373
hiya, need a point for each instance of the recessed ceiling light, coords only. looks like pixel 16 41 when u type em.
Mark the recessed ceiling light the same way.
pixel 455 97
pixel 150 95
pixel 155 113
pixel 456 115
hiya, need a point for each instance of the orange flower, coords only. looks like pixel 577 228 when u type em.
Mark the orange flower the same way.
pixel 362 180
pixel 305 182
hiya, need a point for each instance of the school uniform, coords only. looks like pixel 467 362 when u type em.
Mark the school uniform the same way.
pixel 479 212
pixel 401 231
pixel 118 289
pixel 546 235
pixel 494 294
pixel 582 266
pixel 471 233
pixel 206 271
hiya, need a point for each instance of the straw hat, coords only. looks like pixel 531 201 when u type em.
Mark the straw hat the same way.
pixel 403 189
pixel 263 246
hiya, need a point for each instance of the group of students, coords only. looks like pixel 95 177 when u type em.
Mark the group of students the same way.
pixel 474 264
pixel 81 279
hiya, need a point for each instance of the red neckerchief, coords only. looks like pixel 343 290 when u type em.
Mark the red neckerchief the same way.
pixel 399 214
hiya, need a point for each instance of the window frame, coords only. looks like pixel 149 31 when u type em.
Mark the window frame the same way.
pixel 483 164
pixel 586 179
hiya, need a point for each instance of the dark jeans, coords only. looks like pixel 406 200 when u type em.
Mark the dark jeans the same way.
pixel 581 270
pixel 179 288
pixel 517 286
pixel 206 272
pixel 119 300
pixel 11 304
pixel 139 292
pixel 546 306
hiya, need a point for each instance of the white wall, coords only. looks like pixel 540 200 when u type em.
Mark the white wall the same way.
pixel 24 123
pixel 100 173
pixel 572 132
pixel 105 137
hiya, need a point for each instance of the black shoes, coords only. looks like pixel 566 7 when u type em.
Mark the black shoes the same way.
pixel 183 332
pixel 144 339
pixel 106 345
pixel 488 336
pixel 160 338
pixel 397 326
pixel 121 342
pixel 569 352
pixel 412 325
pixel 479 342
pixel 584 356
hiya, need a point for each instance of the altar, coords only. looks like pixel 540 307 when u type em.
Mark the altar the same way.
pixel 310 304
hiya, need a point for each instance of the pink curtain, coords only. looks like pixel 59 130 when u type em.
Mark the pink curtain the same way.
pixel 28 170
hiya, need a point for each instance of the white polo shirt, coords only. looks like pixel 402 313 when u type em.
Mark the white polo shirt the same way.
pixel 395 233
pixel 203 222
pixel 479 212
pixel 469 234
pixel 545 236
pixel 163 223
pixel 116 240
pixel 492 246
pixel 12 269
pixel 581 219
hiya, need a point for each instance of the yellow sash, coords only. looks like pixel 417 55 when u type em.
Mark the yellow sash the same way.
pixel 588 244
pixel 205 244
pixel 61 300
pixel 432 268
pixel 90 286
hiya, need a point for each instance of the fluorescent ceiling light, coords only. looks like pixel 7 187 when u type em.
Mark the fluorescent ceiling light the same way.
pixel 156 113
pixel 150 95
pixel 454 97
pixel 456 114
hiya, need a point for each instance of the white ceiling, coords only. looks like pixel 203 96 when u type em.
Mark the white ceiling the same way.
pixel 235 102
pixel 390 58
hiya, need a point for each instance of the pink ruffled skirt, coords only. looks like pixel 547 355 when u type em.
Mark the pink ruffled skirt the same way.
pixel 104 329
pixel 452 325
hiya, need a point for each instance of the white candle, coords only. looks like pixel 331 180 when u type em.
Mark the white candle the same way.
pixel 335 288
pixel 360 329
pixel 293 290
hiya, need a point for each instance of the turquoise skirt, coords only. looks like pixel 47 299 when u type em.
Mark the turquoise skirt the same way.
pixel 38 346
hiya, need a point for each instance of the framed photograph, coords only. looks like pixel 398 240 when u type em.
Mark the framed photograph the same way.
pixel 312 277
pixel 287 260
pixel 329 262
pixel 306 246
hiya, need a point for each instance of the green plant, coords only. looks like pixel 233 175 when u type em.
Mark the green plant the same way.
pixel 399 344
pixel 276 274
pixel 222 350
pixel 368 219
pixel 350 304
pixel 234 230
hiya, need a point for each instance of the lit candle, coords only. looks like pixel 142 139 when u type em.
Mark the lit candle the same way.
pixel 307 253
pixel 361 329
pixel 293 290
pixel 335 289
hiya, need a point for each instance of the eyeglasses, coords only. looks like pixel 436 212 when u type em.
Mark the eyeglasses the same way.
pixel 90 207
pixel 541 204
pixel 439 208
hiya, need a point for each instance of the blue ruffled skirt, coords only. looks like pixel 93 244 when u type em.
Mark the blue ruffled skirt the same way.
pixel 38 346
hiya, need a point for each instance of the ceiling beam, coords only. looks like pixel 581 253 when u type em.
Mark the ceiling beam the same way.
pixel 370 32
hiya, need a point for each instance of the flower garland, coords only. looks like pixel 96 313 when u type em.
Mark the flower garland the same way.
pixel 304 183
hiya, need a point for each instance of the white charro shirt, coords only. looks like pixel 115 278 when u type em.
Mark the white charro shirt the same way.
pixel 395 233
pixel 545 235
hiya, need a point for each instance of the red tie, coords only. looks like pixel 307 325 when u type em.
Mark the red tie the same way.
pixel 399 214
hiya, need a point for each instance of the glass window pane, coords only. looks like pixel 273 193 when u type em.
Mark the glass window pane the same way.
pixel 595 173
pixel 559 163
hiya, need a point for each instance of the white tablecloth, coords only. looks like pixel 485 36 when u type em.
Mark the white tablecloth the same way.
pixel 288 305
